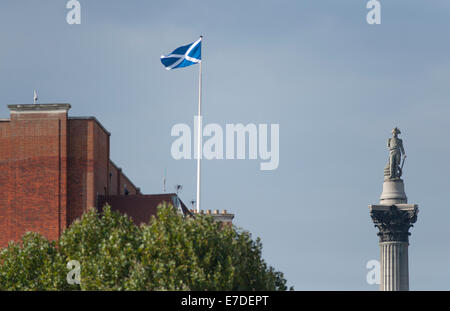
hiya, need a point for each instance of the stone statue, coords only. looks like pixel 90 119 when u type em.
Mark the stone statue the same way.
pixel 393 169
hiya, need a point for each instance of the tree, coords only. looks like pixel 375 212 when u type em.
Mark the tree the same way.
pixel 172 252
pixel 32 265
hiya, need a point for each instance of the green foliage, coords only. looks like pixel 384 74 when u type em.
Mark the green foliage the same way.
pixel 34 265
pixel 171 253
pixel 105 245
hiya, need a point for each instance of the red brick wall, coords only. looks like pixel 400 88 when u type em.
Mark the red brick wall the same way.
pixel 132 190
pixel 6 184
pixel 114 181
pixel 88 165
pixel 79 165
pixel 52 170
pixel 33 166
pixel 101 162
pixel 118 182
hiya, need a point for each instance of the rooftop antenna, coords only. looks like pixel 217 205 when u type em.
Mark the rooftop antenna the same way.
pixel 178 188
pixel 35 98
pixel 164 180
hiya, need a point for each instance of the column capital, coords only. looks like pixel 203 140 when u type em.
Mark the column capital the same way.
pixel 394 221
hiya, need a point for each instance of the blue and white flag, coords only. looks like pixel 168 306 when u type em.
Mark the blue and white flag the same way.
pixel 183 56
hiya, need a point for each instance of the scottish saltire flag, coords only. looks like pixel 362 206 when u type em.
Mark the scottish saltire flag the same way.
pixel 183 56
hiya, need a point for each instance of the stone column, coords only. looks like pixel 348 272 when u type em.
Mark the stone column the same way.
pixel 393 222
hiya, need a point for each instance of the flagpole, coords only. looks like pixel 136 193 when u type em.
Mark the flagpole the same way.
pixel 199 131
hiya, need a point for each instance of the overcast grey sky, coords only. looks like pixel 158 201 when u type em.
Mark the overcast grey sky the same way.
pixel 335 84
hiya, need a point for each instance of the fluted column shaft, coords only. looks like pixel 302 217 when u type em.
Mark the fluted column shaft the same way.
pixel 394 266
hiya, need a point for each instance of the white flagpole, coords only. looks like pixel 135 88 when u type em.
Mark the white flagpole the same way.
pixel 199 132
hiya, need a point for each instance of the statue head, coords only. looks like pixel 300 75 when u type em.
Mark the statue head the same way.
pixel 396 131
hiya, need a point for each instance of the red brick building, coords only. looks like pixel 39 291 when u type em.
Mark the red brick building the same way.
pixel 53 168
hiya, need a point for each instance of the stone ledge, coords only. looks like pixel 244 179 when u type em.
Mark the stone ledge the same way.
pixel 39 108
pixel 400 206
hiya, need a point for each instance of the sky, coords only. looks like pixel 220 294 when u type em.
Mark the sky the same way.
pixel 335 85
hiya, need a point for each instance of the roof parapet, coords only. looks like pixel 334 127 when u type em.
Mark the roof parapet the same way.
pixel 39 108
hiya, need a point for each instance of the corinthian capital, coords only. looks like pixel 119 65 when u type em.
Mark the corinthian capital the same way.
pixel 393 222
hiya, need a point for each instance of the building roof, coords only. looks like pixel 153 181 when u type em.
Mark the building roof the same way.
pixel 141 208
